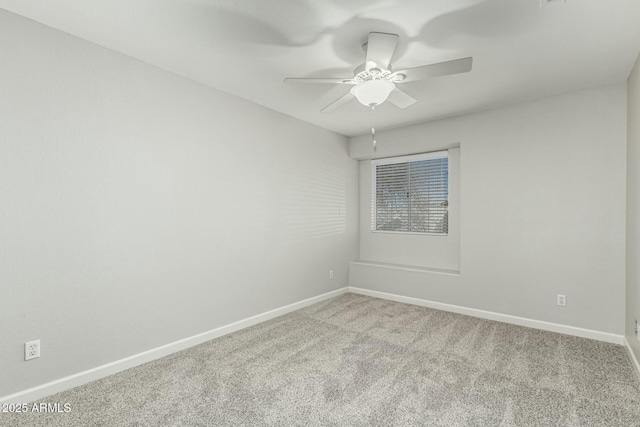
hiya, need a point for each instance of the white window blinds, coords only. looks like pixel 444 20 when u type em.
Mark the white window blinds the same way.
pixel 411 194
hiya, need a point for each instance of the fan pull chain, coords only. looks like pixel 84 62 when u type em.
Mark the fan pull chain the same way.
pixel 373 127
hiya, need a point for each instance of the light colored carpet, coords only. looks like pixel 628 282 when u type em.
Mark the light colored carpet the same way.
pixel 355 360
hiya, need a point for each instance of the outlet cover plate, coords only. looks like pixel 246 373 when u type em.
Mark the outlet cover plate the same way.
pixel 562 300
pixel 31 350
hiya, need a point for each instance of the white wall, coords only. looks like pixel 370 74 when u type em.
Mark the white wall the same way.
pixel 542 197
pixel 442 252
pixel 139 208
pixel 633 208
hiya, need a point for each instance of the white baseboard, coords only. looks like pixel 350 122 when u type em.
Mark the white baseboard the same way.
pixel 102 371
pixel 632 356
pixel 506 318
pixel 96 373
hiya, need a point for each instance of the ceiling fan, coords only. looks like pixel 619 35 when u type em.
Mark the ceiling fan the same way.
pixel 374 81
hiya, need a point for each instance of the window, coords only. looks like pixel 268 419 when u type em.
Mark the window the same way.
pixel 410 194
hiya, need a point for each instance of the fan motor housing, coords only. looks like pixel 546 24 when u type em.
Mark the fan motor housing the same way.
pixel 362 67
pixel 372 74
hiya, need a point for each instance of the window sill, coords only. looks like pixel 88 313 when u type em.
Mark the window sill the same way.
pixel 410 233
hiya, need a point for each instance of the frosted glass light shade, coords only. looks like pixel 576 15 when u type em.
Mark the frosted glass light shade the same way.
pixel 373 92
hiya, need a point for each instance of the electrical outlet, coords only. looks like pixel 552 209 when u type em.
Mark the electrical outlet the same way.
pixel 562 300
pixel 330 274
pixel 31 350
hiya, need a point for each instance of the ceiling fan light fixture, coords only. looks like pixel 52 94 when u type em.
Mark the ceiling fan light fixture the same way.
pixel 373 92
pixel 374 80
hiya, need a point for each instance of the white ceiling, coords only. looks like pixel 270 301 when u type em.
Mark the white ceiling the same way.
pixel 247 47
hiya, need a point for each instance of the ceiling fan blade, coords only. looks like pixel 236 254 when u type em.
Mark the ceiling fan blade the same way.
pixel 401 99
pixel 347 81
pixel 380 48
pixel 435 70
pixel 338 103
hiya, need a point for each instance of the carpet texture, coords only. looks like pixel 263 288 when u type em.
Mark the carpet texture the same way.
pixel 355 360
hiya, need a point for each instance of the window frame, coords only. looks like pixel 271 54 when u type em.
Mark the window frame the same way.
pixel 404 159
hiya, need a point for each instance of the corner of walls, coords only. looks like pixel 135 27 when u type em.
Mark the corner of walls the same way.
pixel 632 276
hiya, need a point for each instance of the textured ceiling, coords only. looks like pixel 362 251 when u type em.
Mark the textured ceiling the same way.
pixel 521 50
